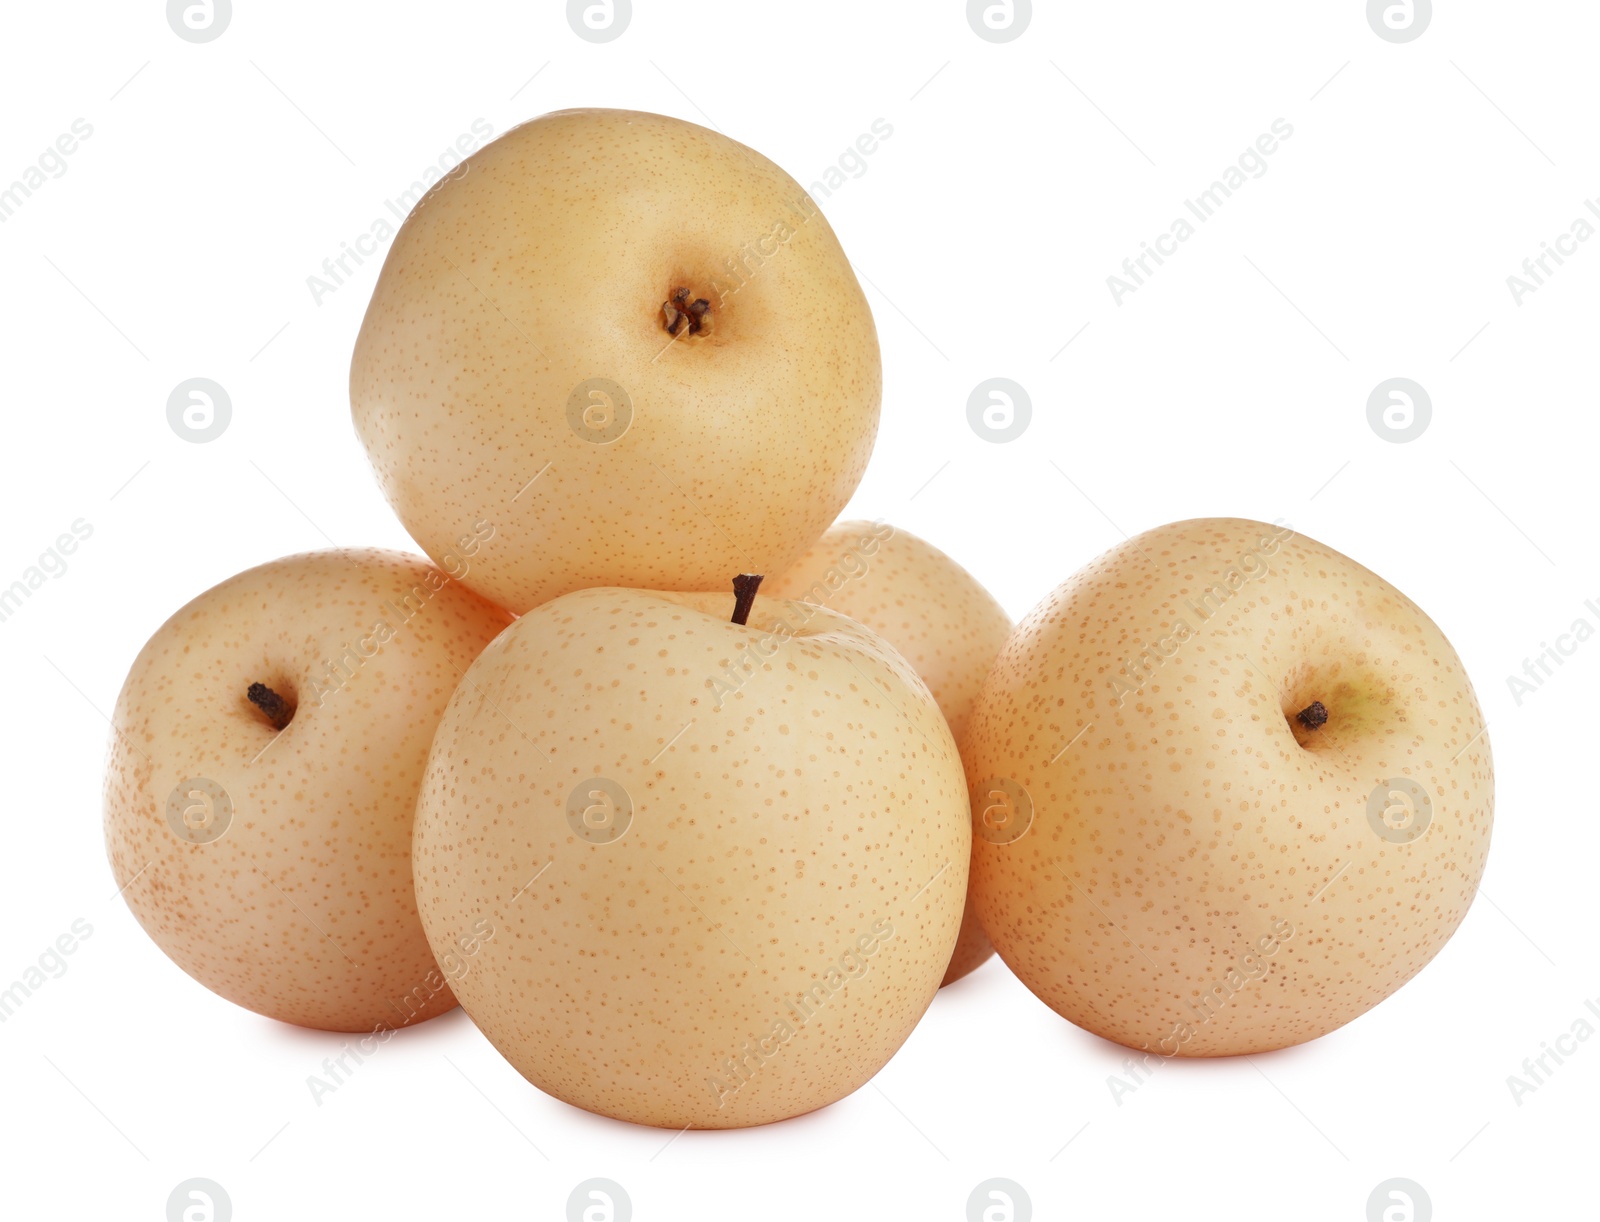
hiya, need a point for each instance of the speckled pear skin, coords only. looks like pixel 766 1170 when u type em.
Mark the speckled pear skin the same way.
pixel 1201 877
pixel 545 261
pixel 303 910
pixel 929 608
pixel 811 834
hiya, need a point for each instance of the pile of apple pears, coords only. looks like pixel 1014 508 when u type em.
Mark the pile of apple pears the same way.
pixel 691 854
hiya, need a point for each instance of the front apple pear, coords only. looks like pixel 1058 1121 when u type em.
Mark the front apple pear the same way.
pixel 727 860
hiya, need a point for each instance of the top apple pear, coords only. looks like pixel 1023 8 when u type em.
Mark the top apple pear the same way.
pixel 624 351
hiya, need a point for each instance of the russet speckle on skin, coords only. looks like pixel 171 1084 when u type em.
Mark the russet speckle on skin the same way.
pixel 818 818
pixel 543 264
pixel 930 609
pixel 303 909
pixel 1201 876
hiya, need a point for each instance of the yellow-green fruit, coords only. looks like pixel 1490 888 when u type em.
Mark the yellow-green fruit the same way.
pixel 274 866
pixel 631 346
pixel 724 864
pixel 1261 794
pixel 929 608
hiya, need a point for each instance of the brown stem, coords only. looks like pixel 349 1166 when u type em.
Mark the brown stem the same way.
pixel 278 711
pixel 744 589
pixel 1313 715
pixel 680 310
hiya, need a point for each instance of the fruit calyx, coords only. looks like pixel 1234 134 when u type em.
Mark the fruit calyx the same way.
pixel 680 312
pixel 744 590
pixel 1313 715
pixel 278 711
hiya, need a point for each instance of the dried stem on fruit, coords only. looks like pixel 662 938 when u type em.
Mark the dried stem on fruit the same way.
pixel 278 711
pixel 744 589
pixel 1313 715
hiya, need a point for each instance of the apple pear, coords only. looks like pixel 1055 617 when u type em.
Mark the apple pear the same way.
pixel 929 608
pixel 601 334
pixel 1230 791
pixel 266 753
pixel 726 854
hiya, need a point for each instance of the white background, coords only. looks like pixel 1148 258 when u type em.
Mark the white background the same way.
pixel 218 177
